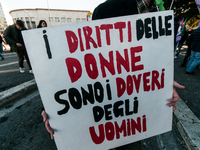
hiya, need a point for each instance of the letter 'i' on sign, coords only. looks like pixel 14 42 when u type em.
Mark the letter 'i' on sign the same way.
pixel 47 44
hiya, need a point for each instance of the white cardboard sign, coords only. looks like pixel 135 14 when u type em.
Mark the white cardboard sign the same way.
pixel 105 83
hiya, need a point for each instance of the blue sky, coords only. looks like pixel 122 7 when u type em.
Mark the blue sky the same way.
pixel 56 4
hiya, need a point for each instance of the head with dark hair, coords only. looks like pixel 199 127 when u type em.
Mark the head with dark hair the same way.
pixel 19 24
pixel 42 24
pixel 177 18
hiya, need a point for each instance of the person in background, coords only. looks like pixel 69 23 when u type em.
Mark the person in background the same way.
pixel 14 35
pixel 1 48
pixel 4 42
pixel 42 24
pixel 180 43
pixel 188 53
pixel 177 21
pixel 114 8
pixel 194 41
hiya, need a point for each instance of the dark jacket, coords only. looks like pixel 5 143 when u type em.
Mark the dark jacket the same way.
pixel 1 40
pixel 12 35
pixel 184 37
pixel 194 40
pixel 115 8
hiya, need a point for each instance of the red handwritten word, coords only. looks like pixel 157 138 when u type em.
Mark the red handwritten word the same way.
pixel 112 130
pixel 91 68
pixel 74 40
pixel 128 84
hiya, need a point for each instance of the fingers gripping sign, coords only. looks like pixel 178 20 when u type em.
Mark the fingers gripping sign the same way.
pixel 47 125
pixel 175 97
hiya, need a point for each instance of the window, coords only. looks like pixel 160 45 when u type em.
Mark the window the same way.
pixel 27 22
pixel 32 19
pixel 83 19
pixel 50 19
pixel 63 19
pixel 78 20
pixel 26 18
pixel 57 19
pixel 69 19
pixel 28 25
pixel 33 24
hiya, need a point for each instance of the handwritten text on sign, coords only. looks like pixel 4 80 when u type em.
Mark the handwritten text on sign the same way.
pixel 112 78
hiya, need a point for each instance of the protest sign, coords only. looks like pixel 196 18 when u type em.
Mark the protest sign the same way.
pixel 105 83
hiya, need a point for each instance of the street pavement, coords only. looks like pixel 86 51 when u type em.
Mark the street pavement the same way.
pixel 186 116
pixel 9 71
pixel 190 95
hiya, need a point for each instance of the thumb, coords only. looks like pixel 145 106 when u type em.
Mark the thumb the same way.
pixel 178 85
pixel 44 115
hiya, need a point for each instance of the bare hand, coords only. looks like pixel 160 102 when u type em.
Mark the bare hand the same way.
pixel 175 98
pixel 19 45
pixel 47 125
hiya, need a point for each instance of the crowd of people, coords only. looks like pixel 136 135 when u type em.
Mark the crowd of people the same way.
pixel 191 38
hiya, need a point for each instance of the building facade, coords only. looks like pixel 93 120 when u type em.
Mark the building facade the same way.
pixel 3 22
pixel 31 17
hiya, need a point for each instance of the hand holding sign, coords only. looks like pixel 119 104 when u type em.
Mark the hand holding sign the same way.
pixel 109 79
pixel 172 102
pixel 175 98
pixel 47 125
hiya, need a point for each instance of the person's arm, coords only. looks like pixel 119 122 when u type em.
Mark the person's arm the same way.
pixel 8 35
